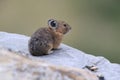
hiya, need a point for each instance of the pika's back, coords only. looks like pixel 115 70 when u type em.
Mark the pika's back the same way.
pixel 42 34
pixel 39 42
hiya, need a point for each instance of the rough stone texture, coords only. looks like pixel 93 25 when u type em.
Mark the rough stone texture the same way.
pixel 66 56
pixel 17 67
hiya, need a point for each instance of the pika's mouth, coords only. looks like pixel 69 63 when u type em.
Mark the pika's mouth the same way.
pixel 67 30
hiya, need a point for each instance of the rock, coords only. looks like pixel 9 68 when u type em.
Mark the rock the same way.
pixel 66 56
pixel 17 67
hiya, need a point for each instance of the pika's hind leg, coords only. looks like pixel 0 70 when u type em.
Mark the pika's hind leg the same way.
pixel 49 48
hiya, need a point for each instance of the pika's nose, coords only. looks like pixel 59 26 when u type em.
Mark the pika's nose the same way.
pixel 70 28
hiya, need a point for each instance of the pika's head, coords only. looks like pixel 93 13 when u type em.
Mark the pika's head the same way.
pixel 59 26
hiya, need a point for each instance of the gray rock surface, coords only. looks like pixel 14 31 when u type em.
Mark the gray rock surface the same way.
pixel 17 67
pixel 65 56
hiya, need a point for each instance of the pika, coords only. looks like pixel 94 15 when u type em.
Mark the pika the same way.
pixel 46 39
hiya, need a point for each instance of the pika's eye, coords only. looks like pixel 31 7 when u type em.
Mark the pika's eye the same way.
pixel 52 23
pixel 64 25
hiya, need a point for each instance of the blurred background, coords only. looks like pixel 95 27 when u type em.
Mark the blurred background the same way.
pixel 95 23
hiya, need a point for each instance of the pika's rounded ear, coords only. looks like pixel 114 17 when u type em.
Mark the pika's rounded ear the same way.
pixel 52 23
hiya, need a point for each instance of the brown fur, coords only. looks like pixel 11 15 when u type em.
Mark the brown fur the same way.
pixel 45 39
